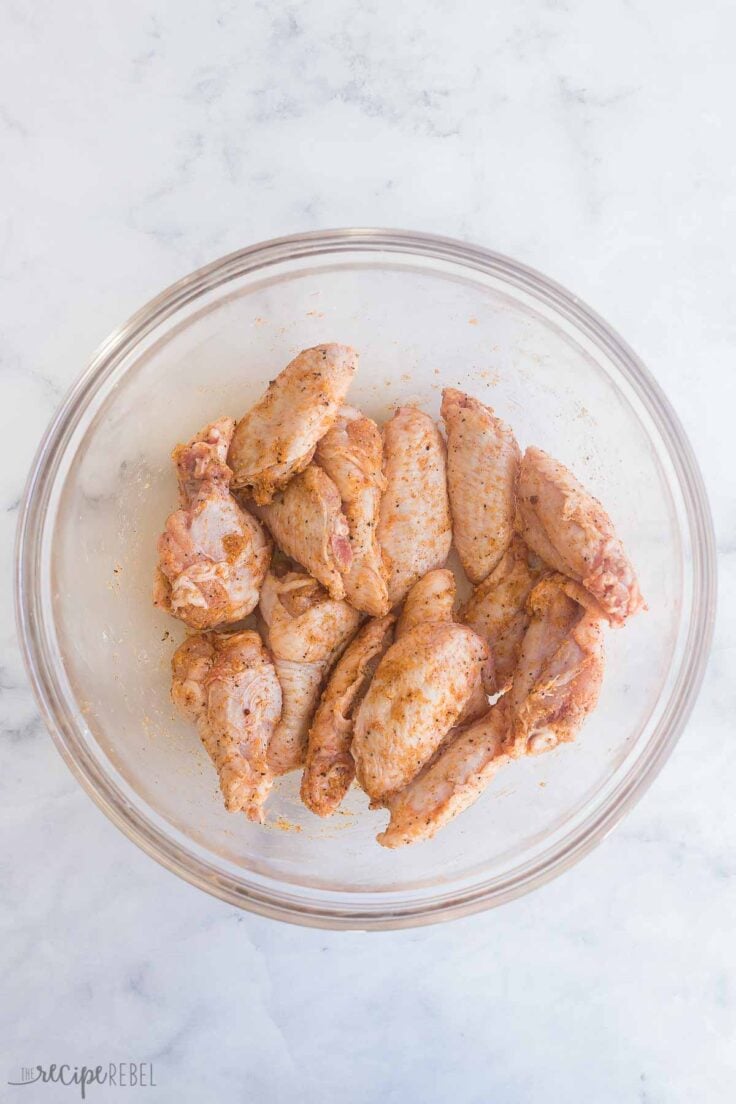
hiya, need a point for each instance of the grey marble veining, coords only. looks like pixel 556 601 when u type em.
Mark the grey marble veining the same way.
pixel 592 141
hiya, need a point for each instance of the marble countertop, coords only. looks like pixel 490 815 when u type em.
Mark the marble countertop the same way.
pixel 593 142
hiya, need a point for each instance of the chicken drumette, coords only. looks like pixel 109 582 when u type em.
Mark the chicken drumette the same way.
pixel 227 685
pixel 213 555
pixel 307 630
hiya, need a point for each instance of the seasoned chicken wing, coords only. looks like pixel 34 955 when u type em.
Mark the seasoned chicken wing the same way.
pixel 307 630
pixel 572 533
pixel 420 689
pixel 482 476
pixel 552 614
pixel 450 782
pixel 213 555
pixel 330 768
pixel 560 669
pixel 307 523
pixel 228 686
pixel 432 598
pixel 414 529
pixel 277 437
pixel 351 454
pixel 497 609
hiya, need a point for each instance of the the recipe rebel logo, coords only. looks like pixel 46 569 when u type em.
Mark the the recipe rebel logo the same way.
pixel 119 1075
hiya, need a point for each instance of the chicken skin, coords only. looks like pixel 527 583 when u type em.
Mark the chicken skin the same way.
pixel 572 533
pixel 450 782
pixel 419 690
pixel 432 598
pixel 414 528
pixel 227 686
pixel 497 610
pixel 330 768
pixel 482 476
pixel 560 669
pixel 307 630
pixel 351 453
pixel 276 439
pixel 307 523
pixel 213 555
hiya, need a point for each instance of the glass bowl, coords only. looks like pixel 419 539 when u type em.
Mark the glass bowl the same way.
pixel 425 312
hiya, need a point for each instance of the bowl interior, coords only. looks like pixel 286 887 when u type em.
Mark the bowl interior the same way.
pixel 420 323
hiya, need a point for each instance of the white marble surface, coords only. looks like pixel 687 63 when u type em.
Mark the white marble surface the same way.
pixel 593 141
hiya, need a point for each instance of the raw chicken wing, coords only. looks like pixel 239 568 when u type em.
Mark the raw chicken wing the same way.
pixel 420 689
pixel 351 454
pixel 213 555
pixel 451 782
pixel 432 598
pixel 560 669
pixel 307 630
pixel 572 533
pixel 497 609
pixel 228 686
pixel 307 523
pixel 330 767
pixel 414 530
pixel 277 437
pixel 482 475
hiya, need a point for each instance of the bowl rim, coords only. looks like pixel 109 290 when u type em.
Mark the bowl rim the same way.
pixel 269 901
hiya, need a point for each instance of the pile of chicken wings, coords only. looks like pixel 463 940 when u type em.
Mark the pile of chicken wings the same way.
pixel 337 533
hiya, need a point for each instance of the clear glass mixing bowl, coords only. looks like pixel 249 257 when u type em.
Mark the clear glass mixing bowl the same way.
pixel 425 312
